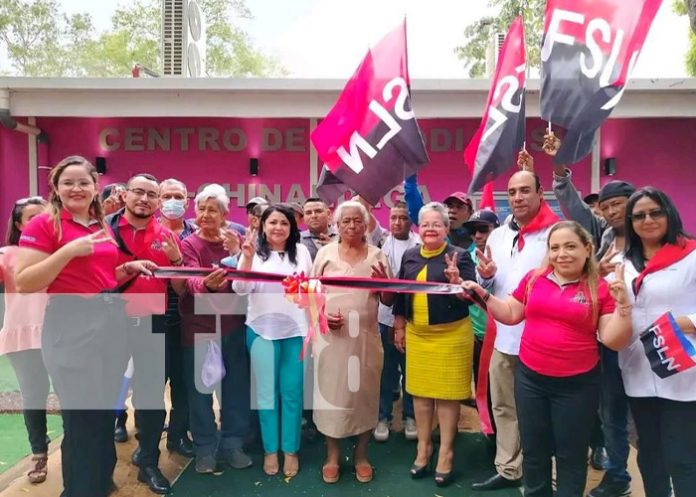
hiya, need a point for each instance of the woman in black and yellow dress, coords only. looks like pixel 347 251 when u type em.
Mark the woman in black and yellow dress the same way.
pixel 436 333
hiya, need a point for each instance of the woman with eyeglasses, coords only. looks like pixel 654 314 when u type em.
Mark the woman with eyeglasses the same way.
pixel 275 331
pixel 20 338
pixel 348 359
pixel 69 252
pixel 661 275
pixel 435 332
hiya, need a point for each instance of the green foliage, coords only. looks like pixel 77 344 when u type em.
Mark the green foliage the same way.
pixel 479 34
pixel 682 8
pixel 42 41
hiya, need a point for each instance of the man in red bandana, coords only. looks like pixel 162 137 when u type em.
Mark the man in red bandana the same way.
pixel 512 250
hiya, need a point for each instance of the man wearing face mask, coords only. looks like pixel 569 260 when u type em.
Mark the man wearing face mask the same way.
pixel 173 206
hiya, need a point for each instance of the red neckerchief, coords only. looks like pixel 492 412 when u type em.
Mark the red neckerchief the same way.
pixel 665 257
pixel 543 219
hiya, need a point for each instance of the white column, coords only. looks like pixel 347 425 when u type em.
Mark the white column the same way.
pixel 33 160
pixel 596 164
pixel 313 159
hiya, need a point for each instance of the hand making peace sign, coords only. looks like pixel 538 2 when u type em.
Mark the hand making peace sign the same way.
pixel 452 270
pixel 486 267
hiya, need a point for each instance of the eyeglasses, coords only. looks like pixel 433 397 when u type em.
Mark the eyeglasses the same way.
pixel 139 192
pixel 82 185
pixel 346 221
pixel 654 215
pixel 26 200
pixel 434 226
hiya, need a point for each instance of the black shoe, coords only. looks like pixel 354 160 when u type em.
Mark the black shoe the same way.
pixel 496 482
pixel 599 459
pixel 120 434
pixel 444 479
pixel 154 479
pixel 611 489
pixel 135 457
pixel 419 471
pixel 182 446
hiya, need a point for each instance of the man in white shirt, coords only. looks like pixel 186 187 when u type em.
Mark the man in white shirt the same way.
pixel 512 250
pixel 400 239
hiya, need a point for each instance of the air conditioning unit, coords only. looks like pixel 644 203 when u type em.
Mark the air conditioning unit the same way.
pixel 494 48
pixel 183 39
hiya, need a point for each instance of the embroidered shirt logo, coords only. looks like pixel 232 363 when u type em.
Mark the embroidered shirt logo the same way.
pixel 580 298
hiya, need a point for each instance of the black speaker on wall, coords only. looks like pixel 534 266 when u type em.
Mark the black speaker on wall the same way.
pixel 100 164
pixel 610 166
pixel 253 166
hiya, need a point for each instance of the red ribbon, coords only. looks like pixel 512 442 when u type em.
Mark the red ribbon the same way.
pixel 308 293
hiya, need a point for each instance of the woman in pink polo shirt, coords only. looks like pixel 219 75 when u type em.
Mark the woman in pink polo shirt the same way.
pixel 566 306
pixel 68 252
pixel 20 338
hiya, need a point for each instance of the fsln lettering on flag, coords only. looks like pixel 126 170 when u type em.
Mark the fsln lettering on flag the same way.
pixel 370 140
pixel 494 147
pixel 588 50
pixel 667 348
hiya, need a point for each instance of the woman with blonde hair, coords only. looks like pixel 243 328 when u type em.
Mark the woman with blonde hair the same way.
pixel 69 252
pixel 566 306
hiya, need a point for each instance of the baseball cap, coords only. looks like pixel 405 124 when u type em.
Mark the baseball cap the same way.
pixel 591 198
pixel 255 201
pixel 459 196
pixel 483 216
pixel 297 207
pixel 616 189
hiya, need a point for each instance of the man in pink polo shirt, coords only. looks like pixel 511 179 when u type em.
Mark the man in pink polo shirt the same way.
pixel 140 236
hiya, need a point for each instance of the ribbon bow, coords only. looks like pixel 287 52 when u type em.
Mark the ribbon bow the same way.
pixel 308 293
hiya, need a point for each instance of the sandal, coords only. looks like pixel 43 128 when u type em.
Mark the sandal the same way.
pixel 270 464
pixel 330 473
pixel 364 472
pixel 40 471
pixel 291 465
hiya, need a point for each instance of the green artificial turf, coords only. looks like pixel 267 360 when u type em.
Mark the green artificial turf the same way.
pixel 14 445
pixel 392 460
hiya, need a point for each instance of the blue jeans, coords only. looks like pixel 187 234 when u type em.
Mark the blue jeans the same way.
pixel 278 374
pixel 393 361
pixel 614 415
pixel 232 393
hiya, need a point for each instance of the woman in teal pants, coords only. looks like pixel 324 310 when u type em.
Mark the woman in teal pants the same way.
pixel 275 333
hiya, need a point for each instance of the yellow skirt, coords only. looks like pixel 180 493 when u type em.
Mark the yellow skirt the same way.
pixel 439 360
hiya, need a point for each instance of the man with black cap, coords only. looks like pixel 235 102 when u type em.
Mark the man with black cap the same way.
pixel 481 224
pixel 608 233
pixel 459 208
pixel 592 200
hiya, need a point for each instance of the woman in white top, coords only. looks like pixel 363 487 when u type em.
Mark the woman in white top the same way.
pixel 275 333
pixel 660 272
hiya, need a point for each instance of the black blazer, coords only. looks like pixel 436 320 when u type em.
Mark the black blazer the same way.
pixel 441 308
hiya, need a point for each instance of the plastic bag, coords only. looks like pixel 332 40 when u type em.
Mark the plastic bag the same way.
pixel 213 370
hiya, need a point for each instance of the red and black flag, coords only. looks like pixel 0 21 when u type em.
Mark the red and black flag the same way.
pixel 667 348
pixel 370 140
pixel 494 147
pixel 588 51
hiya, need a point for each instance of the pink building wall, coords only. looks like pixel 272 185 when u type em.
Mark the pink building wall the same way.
pixel 648 151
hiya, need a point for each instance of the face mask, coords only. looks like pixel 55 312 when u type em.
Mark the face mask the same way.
pixel 173 208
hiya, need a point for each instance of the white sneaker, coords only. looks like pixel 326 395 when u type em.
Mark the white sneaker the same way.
pixel 381 432
pixel 410 430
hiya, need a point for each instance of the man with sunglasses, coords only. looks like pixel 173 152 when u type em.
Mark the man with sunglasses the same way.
pixel 480 225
